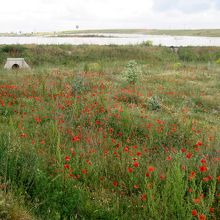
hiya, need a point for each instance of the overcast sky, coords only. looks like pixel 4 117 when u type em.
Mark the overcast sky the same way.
pixel 54 15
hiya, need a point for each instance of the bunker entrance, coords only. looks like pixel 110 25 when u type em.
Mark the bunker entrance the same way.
pixel 15 67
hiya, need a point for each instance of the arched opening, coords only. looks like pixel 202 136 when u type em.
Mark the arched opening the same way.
pixel 15 67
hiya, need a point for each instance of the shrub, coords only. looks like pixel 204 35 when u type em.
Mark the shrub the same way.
pixel 132 72
pixel 147 43
pixel 79 85
pixel 14 50
pixel 187 54
pixel 154 103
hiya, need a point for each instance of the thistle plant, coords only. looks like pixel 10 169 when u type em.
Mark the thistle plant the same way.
pixel 132 72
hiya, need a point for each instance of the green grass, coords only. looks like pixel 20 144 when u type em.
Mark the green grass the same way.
pixel 172 32
pixel 78 141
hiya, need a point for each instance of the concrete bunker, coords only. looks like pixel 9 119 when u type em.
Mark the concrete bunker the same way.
pixel 16 63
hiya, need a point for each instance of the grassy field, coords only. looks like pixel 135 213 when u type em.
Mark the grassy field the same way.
pixel 110 132
pixel 173 32
pixel 177 32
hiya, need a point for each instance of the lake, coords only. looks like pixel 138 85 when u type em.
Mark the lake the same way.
pixel 117 39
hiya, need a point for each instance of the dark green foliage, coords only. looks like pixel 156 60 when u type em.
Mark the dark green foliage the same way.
pixel 201 54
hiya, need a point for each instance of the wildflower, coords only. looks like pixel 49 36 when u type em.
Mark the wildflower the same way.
pixel 194 212
pixel 210 177
pixel 84 171
pixel 189 155
pixel 198 144
pixel 203 160
pixel 147 174
pixel 130 170
pixel 201 217
pixel 169 158
pixel 143 197
pixel 203 168
pixel 192 175
pixel 183 150
pixel 197 200
pixel 190 190
pixel 162 177
pixel 42 142
pixel 115 183
pixel 136 187
pixel 211 210
pixel 126 149
pixel 151 169
pixel 75 139
pixel 136 164
pixel 37 119
pixel 218 178
pixel 88 162
pixel 135 147
pixel 66 166
pixel 67 158
pixel 205 179
pixel 23 135
pixel 138 154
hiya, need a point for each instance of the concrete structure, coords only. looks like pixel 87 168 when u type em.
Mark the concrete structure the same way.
pixel 16 63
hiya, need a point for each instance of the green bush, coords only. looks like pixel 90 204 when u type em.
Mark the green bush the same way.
pixel 13 49
pixel 79 85
pixel 154 103
pixel 132 72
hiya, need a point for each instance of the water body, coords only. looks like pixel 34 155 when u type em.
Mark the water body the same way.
pixel 115 39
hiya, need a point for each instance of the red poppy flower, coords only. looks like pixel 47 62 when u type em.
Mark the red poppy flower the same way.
pixel 147 174
pixel 205 179
pixel 190 190
pixel 211 209
pixel 143 197
pixel 201 217
pixel 138 154
pixel 197 200
pixel 183 150
pixel 66 166
pixel 194 212
pixel 67 158
pixel 203 160
pixel 203 168
pixel 199 143
pixel 189 155
pixel 151 169
pixel 136 164
pixel 115 183
pixel 75 139
pixel 169 158
pixel 162 177
pixel 130 170
pixel 37 119
pixel 84 171
pixel 192 175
